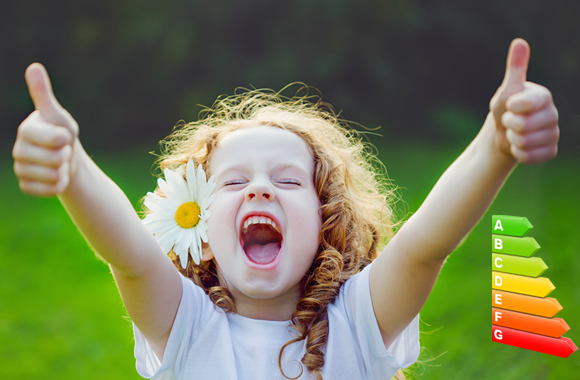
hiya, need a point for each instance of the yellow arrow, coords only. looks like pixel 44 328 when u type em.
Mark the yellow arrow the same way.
pixel 539 287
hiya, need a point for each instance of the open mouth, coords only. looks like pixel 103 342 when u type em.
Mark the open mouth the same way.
pixel 261 239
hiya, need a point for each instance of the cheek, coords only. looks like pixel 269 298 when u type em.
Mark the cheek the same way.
pixel 221 223
pixel 309 220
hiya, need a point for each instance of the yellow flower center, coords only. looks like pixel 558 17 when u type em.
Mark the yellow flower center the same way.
pixel 187 215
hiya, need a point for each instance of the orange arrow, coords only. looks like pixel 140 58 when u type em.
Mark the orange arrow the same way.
pixel 553 327
pixel 544 307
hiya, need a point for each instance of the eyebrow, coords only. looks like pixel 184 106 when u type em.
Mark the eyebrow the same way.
pixel 281 166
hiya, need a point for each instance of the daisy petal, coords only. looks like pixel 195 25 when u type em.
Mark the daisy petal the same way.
pixel 167 239
pixel 206 202
pixel 210 186
pixel 178 185
pixel 158 226
pixel 183 259
pixel 201 230
pixel 196 250
pixel 199 183
pixel 191 181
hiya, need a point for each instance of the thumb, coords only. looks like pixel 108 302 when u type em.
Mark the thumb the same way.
pixel 516 67
pixel 42 96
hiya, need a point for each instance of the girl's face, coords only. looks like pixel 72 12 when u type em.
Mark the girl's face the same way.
pixel 264 176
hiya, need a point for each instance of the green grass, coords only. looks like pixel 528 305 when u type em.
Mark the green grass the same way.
pixel 62 318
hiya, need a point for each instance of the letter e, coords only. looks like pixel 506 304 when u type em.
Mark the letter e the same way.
pixel 498 299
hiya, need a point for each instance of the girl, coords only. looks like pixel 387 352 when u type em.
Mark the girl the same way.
pixel 282 241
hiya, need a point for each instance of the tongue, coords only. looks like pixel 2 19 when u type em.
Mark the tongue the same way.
pixel 262 254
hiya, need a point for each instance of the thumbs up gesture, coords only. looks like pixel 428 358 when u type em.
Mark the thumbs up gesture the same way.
pixel 45 140
pixel 526 119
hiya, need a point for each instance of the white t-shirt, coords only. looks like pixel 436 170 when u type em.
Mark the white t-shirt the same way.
pixel 206 343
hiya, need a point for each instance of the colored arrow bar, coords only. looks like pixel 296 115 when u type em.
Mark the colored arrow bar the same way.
pixel 532 266
pixel 510 225
pixel 520 246
pixel 539 287
pixel 561 347
pixel 554 327
pixel 545 307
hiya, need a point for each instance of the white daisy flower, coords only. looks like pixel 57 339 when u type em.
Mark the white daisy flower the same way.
pixel 178 220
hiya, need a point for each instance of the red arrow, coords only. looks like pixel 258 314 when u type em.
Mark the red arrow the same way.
pixel 561 347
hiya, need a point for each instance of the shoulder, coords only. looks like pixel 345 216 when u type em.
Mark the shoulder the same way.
pixel 195 313
pixel 353 289
pixel 353 310
pixel 195 308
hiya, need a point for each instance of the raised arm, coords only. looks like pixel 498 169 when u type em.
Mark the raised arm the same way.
pixel 49 160
pixel 522 126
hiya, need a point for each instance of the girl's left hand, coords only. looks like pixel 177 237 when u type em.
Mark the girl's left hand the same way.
pixel 526 119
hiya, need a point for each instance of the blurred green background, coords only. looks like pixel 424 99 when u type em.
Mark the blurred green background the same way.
pixel 424 71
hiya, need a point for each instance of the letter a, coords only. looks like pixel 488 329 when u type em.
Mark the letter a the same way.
pixel 498 225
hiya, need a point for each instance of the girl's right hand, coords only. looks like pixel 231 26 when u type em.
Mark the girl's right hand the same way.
pixel 44 144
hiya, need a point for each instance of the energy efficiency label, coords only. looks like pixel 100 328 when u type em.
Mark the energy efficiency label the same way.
pixel 522 314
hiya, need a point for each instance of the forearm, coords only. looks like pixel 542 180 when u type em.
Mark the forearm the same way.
pixel 106 218
pixel 460 198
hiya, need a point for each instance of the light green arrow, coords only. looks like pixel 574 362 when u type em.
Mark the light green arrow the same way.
pixel 520 246
pixel 510 225
pixel 533 266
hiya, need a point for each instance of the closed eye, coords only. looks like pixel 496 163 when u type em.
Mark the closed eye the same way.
pixel 289 181
pixel 234 182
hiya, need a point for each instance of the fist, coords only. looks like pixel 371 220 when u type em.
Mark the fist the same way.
pixel 526 119
pixel 44 144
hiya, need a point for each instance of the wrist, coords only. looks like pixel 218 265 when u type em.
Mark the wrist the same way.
pixel 488 143
pixel 77 165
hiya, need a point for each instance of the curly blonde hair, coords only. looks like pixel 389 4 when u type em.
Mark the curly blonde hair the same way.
pixel 355 199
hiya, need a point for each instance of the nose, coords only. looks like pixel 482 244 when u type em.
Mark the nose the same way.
pixel 259 189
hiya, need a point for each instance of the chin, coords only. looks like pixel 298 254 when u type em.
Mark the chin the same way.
pixel 263 289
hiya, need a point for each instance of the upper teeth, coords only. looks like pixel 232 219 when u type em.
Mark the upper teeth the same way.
pixel 259 220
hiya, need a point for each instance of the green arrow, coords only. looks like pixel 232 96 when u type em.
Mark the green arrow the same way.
pixel 510 225
pixel 520 246
pixel 533 266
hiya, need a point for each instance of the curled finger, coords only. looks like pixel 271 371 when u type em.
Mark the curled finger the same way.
pixel 36 173
pixel 39 189
pixel 530 141
pixel 533 98
pixel 545 118
pixel 33 154
pixel 43 134
pixel 535 156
